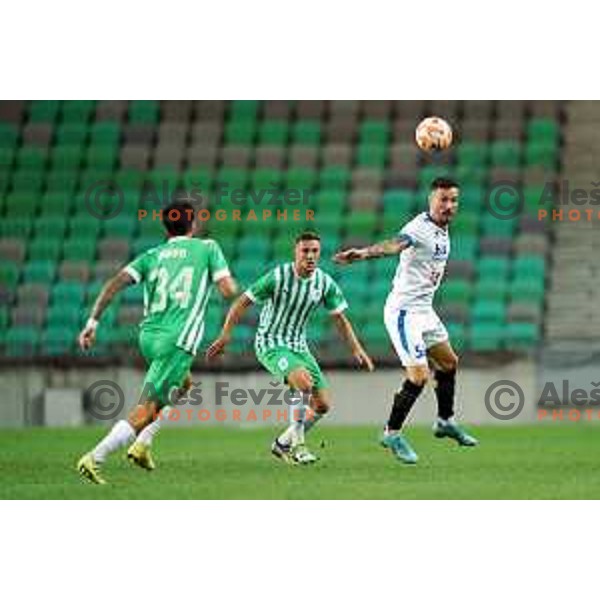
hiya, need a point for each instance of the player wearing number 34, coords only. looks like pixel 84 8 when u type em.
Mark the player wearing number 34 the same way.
pixel 178 277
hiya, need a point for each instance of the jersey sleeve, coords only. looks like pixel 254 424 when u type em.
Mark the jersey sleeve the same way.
pixel 139 267
pixel 262 288
pixel 333 299
pixel 410 233
pixel 216 262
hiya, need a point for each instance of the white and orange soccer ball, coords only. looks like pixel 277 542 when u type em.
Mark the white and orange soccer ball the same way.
pixel 433 133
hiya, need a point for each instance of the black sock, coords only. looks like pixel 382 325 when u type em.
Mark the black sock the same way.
pixel 403 402
pixel 444 390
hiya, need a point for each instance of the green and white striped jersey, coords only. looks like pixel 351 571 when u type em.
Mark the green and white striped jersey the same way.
pixel 289 301
pixel 178 277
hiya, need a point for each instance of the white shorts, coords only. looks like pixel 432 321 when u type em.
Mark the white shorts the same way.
pixel 413 332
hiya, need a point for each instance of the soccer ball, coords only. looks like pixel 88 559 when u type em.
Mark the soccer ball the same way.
pixel 433 133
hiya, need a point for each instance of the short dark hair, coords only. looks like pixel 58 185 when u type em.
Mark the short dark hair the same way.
pixel 307 236
pixel 178 217
pixel 444 183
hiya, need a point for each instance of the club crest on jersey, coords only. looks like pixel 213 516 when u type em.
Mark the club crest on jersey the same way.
pixel 440 252
pixel 315 295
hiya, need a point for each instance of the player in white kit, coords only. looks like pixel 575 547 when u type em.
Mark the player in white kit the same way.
pixel 417 333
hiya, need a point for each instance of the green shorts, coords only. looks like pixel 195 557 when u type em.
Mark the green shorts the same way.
pixel 168 366
pixel 281 361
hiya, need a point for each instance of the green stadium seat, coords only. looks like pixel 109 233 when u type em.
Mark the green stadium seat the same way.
pixel 21 341
pixel 464 247
pixel 466 224
pixel 27 180
pixel 45 248
pixel 51 226
pixel 542 154
pixel 9 134
pixel 65 313
pixel 543 130
pixel 488 311
pixel 105 132
pixel 42 111
pixel 522 335
pixel 493 267
pixel 123 225
pixel 458 334
pixel 32 158
pixel 77 111
pixel 67 156
pixel 505 154
pixel 486 336
pixel 144 111
pixel 491 226
pixel 472 155
pixel 68 293
pixel 85 226
pixel 244 109
pixel 240 132
pixel 374 132
pixel 264 179
pixel 331 202
pixel 370 155
pixel 79 248
pixel 128 179
pixel 334 178
pixel 59 341
pixel 133 295
pixel 361 224
pixel 63 181
pixel 491 289
pixel 6 159
pixel 527 289
pixel 16 227
pixel 532 266
pixel 306 132
pixel 104 156
pixel 470 176
pixel 21 205
pixel 455 290
pixel 39 271
pixel 299 178
pixel 9 274
pixel 71 133
pixel 274 133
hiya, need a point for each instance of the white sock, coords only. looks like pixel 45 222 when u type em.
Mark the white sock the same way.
pixel 121 434
pixel 145 436
pixel 294 434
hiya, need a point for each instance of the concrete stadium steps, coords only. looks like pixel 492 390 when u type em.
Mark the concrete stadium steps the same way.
pixel 573 294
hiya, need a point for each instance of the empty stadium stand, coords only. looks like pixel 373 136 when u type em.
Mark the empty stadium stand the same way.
pixel 365 175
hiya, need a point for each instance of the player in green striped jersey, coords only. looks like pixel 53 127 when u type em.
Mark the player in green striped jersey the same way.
pixel 290 294
pixel 178 277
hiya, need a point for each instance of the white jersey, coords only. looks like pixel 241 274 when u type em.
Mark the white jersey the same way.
pixel 421 266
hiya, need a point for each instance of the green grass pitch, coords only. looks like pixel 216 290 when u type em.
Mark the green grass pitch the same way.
pixel 543 461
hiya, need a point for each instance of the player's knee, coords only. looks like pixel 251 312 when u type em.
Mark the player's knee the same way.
pixel 301 380
pixel 450 364
pixel 140 417
pixel 321 405
pixel 418 377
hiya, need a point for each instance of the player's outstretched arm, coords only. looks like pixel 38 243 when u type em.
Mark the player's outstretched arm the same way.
pixel 236 312
pixel 347 333
pixel 87 336
pixel 385 248
pixel 227 287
